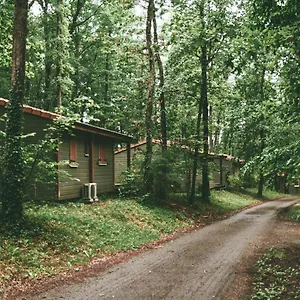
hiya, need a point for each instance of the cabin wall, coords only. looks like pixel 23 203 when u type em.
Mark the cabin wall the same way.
pixel 104 174
pixel 81 173
pixel 120 166
pixel 71 188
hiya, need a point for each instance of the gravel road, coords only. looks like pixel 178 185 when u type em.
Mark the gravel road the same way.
pixel 198 265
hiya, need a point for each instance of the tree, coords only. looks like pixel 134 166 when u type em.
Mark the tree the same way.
pixel 205 29
pixel 163 114
pixel 13 182
pixel 148 176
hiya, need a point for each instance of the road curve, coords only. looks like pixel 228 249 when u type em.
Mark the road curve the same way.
pixel 198 265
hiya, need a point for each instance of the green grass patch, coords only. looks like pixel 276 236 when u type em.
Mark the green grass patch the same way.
pixel 294 212
pixel 227 202
pixel 267 194
pixel 278 275
pixel 59 237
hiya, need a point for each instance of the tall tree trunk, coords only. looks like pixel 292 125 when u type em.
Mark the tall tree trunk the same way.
pixel 163 118
pixel 261 134
pixel 211 140
pixel 106 79
pixel 47 101
pixel 13 181
pixel 74 31
pixel 76 64
pixel 59 55
pixel 217 133
pixel 204 100
pixel 148 176
pixel 196 155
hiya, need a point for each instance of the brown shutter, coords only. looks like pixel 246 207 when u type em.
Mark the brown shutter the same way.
pixel 102 155
pixel 73 150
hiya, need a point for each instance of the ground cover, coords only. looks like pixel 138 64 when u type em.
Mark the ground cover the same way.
pixel 59 238
pixel 277 272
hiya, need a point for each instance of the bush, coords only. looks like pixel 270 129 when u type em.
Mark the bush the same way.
pixel 132 184
pixel 235 182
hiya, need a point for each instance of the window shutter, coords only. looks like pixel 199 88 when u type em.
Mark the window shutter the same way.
pixel 102 155
pixel 73 150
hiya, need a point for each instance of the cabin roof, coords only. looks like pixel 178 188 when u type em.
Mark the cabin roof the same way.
pixel 120 137
pixel 170 143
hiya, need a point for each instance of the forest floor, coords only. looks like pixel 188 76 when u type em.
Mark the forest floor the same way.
pixel 214 262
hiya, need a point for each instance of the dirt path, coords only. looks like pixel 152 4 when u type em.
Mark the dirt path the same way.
pixel 199 265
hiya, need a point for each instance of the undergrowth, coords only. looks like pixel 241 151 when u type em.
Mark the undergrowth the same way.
pixel 294 212
pixel 278 276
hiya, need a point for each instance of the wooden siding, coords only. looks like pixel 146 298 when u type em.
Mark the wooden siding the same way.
pixel 71 188
pixel 120 166
pixel 104 174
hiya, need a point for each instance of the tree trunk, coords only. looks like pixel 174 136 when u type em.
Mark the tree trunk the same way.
pixel 74 31
pixel 47 101
pixel 163 118
pixel 148 177
pixel 59 55
pixel 13 181
pixel 77 64
pixel 261 134
pixel 196 155
pixel 204 100
pixel 211 140
pixel 106 79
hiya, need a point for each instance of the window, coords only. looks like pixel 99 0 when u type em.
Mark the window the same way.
pixel 73 154
pixel 102 156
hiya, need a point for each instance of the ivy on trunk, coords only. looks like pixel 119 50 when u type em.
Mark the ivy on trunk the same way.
pixel 13 181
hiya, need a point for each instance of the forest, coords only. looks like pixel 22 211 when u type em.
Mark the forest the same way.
pixel 219 76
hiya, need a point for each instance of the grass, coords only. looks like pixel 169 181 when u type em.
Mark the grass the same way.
pixel 278 271
pixel 294 212
pixel 59 237
pixel 278 275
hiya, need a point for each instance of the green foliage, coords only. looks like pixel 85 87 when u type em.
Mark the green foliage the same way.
pixel 13 174
pixel 6 25
pixel 235 182
pixel 131 185
pixel 242 180
pixel 277 276
pixel 175 164
pixel 294 212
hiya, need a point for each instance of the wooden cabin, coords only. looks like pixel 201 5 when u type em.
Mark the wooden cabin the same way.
pixel 221 165
pixel 88 154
